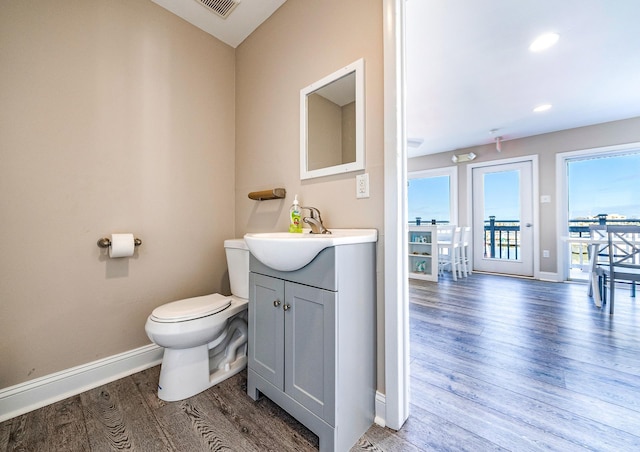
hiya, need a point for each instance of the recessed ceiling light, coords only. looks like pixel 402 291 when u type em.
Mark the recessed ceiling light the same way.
pixel 544 41
pixel 541 108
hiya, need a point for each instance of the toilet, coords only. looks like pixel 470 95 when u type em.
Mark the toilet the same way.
pixel 204 338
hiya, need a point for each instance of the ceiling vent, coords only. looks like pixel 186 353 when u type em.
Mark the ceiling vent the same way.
pixel 222 8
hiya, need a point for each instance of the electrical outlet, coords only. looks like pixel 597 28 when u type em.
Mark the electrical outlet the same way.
pixel 362 185
pixel 545 253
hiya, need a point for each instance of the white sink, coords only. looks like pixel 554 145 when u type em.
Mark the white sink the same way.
pixel 287 251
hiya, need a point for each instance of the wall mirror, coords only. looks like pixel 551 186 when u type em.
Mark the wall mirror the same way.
pixel 332 123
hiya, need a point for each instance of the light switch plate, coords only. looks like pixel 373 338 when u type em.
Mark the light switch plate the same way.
pixel 362 185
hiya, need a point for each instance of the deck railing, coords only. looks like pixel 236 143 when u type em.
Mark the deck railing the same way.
pixel 501 239
pixel 579 228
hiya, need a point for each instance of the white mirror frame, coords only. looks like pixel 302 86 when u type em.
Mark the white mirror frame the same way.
pixel 358 68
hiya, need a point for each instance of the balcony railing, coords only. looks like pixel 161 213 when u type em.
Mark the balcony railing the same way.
pixel 419 221
pixel 501 239
pixel 579 228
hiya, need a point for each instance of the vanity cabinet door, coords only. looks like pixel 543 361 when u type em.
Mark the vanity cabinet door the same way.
pixel 266 328
pixel 310 348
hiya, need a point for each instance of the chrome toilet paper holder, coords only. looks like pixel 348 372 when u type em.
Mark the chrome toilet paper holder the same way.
pixel 105 242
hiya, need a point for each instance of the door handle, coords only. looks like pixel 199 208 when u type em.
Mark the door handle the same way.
pixel 528 225
pixel 276 303
pixel 286 307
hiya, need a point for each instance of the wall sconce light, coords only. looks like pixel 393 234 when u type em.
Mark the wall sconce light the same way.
pixel 460 158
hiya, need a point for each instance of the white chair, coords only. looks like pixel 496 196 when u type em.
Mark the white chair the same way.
pixel 448 246
pixel 623 261
pixel 598 255
pixel 464 266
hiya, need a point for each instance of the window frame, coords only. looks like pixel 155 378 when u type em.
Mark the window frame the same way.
pixel 562 195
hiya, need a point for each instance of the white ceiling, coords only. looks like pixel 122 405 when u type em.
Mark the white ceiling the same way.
pixel 469 69
pixel 242 21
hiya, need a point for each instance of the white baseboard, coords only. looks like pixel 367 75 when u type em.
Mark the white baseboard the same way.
pixel 548 276
pixel 34 394
pixel 381 410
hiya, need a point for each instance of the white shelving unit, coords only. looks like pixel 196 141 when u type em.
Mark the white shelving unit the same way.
pixel 423 252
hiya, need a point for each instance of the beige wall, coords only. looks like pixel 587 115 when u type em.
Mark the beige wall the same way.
pixel 546 146
pixel 115 116
pixel 301 43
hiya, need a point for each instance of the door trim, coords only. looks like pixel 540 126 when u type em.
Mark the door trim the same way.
pixel 394 248
pixel 534 194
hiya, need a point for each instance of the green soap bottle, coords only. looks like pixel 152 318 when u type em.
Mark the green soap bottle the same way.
pixel 294 216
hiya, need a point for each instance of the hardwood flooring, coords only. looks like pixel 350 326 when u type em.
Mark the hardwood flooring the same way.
pixel 508 364
pixel 127 415
pixel 497 363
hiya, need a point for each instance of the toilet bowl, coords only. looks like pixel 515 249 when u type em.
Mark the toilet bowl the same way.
pixel 204 338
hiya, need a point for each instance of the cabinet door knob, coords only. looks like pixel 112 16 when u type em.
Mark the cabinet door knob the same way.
pixel 286 307
pixel 276 303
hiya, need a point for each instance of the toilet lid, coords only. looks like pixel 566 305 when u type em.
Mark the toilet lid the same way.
pixel 191 308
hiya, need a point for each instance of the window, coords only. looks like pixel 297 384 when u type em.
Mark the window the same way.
pixel 432 195
pixel 597 186
pixel 602 185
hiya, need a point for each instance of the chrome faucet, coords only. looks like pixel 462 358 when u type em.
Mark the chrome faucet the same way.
pixel 315 221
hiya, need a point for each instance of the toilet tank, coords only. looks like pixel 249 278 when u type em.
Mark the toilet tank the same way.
pixel 238 264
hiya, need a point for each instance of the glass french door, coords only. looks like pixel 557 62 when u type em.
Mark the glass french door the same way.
pixel 503 218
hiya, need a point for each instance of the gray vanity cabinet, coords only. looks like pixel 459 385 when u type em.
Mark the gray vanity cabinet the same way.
pixel 293 339
pixel 312 342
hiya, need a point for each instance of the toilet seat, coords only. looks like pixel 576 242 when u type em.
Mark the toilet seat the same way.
pixel 190 308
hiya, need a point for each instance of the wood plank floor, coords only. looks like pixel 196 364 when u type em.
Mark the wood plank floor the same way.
pixel 497 363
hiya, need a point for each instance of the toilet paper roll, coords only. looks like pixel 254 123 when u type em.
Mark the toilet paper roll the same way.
pixel 122 245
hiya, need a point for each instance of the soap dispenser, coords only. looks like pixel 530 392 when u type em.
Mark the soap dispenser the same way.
pixel 294 216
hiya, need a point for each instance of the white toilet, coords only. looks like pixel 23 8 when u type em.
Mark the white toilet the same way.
pixel 204 338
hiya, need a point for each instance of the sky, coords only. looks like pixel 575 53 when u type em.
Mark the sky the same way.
pixel 429 197
pixel 502 195
pixel 595 185
pixel 605 185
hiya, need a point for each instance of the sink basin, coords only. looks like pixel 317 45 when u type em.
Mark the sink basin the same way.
pixel 287 251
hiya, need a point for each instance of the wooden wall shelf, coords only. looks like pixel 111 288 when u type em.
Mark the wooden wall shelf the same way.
pixel 274 193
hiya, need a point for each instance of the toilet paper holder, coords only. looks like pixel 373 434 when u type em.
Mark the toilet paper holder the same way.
pixel 105 242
